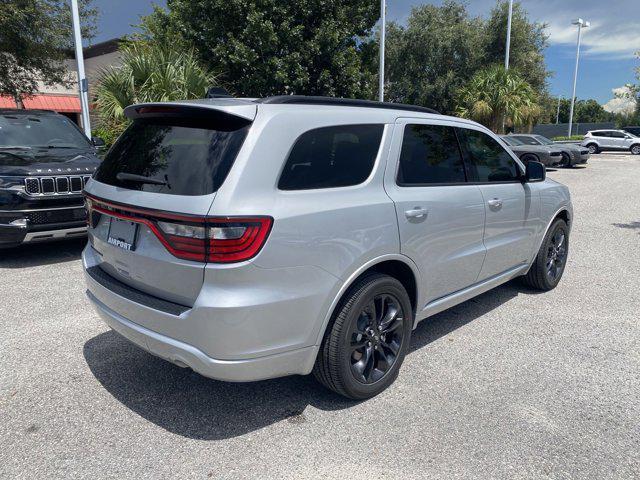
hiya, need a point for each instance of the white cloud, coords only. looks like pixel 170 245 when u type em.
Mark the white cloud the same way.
pixel 613 32
pixel 620 103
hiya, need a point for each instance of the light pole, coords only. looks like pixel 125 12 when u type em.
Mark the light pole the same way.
pixel 507 48
pixel 82 80
pixel 558 112
pixel 506 54
pixel 581 24
pixel 383 15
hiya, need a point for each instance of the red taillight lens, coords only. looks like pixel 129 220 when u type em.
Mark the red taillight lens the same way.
pixel 236 239
pixel 201 239
pixel 183 240
pixel 218 240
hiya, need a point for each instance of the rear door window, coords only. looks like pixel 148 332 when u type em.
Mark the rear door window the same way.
pixel 187 156
pixel 430 155
pixel 487 161
pixel 329 157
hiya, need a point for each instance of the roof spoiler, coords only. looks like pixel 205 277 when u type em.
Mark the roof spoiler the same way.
pixel 194 109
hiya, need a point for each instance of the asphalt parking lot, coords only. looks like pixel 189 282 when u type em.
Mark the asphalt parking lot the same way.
pixel 512 384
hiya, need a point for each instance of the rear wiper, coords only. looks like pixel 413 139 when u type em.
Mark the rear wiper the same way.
pixel 14 147
pixel 132 177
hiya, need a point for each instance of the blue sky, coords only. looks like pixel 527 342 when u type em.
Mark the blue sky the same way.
pixel 607 60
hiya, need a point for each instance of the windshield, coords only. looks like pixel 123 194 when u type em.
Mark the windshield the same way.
pixel 512 141
pixel 51 131
pixel 544 140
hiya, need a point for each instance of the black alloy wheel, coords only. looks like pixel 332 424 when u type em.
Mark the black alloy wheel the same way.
pixel 376 338
pixel 367 338
pixel 556 255
pixel 547 268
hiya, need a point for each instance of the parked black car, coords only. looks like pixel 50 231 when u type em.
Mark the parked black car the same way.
pixel 45 162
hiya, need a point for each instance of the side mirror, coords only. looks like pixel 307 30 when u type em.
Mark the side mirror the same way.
pixel 535 172
pixel 97 142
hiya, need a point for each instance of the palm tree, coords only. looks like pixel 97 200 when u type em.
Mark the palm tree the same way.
pixel 149 73
pixel 496 97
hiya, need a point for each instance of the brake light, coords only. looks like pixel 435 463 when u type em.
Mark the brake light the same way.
pixel 201 239
pixel 236 239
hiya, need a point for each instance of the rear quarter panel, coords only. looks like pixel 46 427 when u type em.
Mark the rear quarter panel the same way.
pixel 335 230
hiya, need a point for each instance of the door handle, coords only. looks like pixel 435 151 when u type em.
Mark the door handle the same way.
pixel 495 203
pixel 417 212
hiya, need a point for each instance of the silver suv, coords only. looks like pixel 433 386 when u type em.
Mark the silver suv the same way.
pixel 611 140
pixel 252 239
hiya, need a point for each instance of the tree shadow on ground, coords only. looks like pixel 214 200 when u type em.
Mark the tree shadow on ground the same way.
pixel 188 404
pixel 42 253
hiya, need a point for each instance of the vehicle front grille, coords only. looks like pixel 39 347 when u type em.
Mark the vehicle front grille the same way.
pixel 58 185
pixel 43 217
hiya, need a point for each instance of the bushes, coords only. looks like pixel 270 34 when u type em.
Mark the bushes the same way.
pixel 572 137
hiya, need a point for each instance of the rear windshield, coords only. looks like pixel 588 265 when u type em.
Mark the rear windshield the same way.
pixel 187 156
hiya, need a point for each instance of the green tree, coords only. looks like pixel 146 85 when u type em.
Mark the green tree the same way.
pixel 633 91
pixel 433 56
pixel 272 47
pixel 495 94
pixel 148 73
pixel 528 41
pixel 590 111
pixel 35 39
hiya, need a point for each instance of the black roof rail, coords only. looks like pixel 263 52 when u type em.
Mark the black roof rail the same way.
pixel 345 102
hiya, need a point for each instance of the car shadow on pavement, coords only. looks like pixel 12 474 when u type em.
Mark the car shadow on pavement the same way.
pixel 42 253
pixel 188 404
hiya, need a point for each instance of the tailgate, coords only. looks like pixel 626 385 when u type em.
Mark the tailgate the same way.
pixel 149 198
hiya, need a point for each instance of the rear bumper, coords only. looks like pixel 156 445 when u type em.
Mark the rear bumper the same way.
pixel 294 362
pixel 249 324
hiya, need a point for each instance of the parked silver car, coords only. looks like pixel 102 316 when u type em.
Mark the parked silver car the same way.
pixel 548 156
pixel 572 154
pixel 251 239
pixel 611 140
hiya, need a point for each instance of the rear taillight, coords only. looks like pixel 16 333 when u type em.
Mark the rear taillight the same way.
pixel 201 239
pixel 236 239
pixel 215 239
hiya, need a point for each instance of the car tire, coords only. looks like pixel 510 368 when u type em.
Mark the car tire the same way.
pixel 528 157
pixel 351 360
pixel 566 160
pixel 547 268
pixel 593 148
pixel 635 149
